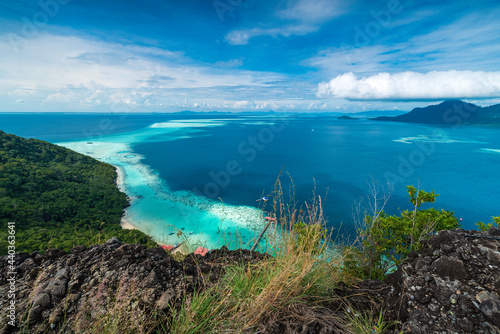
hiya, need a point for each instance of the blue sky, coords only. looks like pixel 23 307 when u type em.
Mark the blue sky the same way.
pixel 239 55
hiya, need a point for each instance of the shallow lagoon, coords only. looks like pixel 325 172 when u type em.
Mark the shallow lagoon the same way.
pixel 170 217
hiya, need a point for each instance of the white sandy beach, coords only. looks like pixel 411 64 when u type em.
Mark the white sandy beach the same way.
pixel 170 217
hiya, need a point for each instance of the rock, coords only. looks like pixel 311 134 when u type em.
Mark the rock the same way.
pixel 41 304
pixel 450 287
pixel 491 310
pixel 113 241
pixel 165 299
pixel 57 287
pixel 53 254
pixel 483 296
pixel 456 281
pixel 492 255
pixel 78 249
pixel 449 267
pixel 465 324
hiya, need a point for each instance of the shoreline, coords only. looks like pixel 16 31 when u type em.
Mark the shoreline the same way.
pixel 120 183
pixel 161 213
pixel 126 225
pixel 120 179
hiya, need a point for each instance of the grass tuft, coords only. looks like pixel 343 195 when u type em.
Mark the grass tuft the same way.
pixel 302 272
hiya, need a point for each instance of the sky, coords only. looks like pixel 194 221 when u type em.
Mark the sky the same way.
pixel 246 55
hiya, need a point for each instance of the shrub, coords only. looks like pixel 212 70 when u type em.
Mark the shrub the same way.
pixel 484 227
pixel 386 240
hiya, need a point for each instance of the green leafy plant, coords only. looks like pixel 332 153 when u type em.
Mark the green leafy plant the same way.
pixel 484 227
pixel 359 323
pixel 386 240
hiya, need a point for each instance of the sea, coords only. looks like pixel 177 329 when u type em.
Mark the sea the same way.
pixel 206 178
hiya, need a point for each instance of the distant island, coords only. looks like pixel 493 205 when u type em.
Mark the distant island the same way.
pixel 452 112
pixel 347 117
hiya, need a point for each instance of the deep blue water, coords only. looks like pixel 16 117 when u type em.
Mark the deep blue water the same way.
pixel 240 160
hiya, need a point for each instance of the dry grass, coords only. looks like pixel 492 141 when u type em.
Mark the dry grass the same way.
pixel 301 275
pixel 114 310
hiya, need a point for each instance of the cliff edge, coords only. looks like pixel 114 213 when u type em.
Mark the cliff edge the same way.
pixel 451 286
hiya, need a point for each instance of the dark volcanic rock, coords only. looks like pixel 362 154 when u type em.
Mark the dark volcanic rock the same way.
pixel 451 287
pixel 58 290
pixel 449 267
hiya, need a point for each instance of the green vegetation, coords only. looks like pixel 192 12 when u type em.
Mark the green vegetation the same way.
pixel 359 323
pixel 58 198
pixel 386 240
pixel 494 221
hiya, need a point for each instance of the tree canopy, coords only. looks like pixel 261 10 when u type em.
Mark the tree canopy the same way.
pixel 58 198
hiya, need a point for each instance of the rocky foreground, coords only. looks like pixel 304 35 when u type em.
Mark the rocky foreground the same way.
pixel 453 286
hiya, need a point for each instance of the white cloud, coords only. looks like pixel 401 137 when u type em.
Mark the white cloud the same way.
pixel 239 37
pixel 230 63
pixel 242 37
pixel 241 104
pixel 78 72
pixel 443 49
pixel 305 15
pixel 312 10
pixel 67 97
pixel 413 86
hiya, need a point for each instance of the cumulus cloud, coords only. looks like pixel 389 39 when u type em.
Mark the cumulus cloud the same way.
pixel 433 85
pixel 241 104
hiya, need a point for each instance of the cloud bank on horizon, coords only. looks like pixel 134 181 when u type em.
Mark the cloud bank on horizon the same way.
pixel 301 55
pixel 437 85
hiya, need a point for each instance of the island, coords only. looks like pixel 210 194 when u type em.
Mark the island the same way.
pixel 450 112
pixel 347 117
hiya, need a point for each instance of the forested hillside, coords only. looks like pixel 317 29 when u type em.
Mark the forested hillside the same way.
pixel 58 198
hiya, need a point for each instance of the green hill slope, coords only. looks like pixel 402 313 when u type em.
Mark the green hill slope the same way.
pixel 57 197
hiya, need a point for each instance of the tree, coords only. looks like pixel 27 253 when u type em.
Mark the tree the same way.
pixel 386 240
pixel 54 195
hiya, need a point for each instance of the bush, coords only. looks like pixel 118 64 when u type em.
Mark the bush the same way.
pixel 386 240
pixel 484 227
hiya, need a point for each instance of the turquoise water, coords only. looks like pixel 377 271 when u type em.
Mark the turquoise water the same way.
pixel 205 175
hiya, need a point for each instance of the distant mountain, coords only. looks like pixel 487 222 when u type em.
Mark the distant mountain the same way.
pixel 451 112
